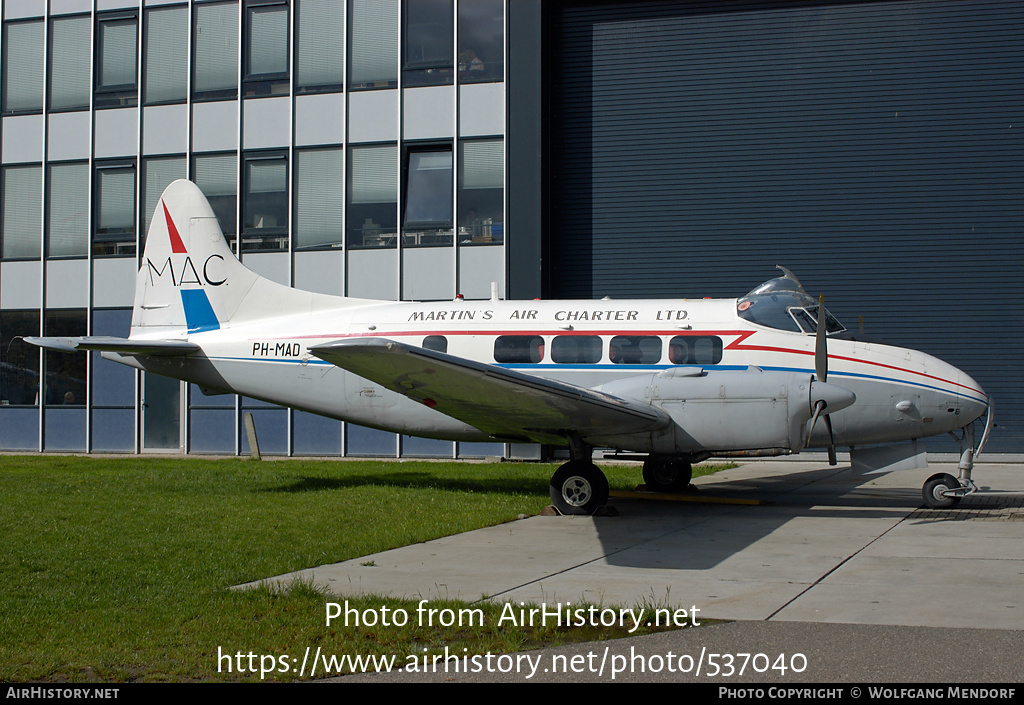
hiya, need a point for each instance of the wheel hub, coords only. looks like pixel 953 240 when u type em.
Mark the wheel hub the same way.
pixel 576 491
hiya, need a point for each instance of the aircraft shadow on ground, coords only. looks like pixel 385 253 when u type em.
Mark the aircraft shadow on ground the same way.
pixel 695 536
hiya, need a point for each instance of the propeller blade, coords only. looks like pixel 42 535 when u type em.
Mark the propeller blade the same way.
pixel 814 419
pixel 821 345
pixel 831 442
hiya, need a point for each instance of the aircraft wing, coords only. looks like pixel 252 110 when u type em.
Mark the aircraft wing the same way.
pixel 125 346
pixel 506 404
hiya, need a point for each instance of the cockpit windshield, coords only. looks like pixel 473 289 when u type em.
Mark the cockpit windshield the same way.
pixel 782 303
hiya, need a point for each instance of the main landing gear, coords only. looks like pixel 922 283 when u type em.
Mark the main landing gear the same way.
pixel 666 474
pixel 578 487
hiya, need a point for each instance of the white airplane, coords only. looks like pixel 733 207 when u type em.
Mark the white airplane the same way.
pixel 674 381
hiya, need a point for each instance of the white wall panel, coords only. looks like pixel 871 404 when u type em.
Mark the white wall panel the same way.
pixel 266 123
pixel 117 132
pixel 321 271
pixel 428 273
pixel 482 110
pixel 320 119
pixel 478 267
pixel 113 282
pixel 373 274
pixel 165 129
pixel 23 139
pixel 215 126
pixel 19 285
pixel 429 113
pixel 67 283
pixel 69 136
pixel 373 116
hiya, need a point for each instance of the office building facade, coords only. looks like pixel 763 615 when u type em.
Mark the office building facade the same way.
pixel 420 149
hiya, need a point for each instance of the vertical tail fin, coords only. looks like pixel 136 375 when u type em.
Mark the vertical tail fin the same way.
pixel 189 280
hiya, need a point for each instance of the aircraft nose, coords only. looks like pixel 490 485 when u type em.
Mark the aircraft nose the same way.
pixel 974 402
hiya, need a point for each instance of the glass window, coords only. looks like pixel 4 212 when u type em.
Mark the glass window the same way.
pixel 166 61
pixel 67 210
pixel 695 350
pixel 481 191
pixel 576 349
pixel 635 350
pixel 428 43
pixel 215 46
pixel 216 175
pixel 320 45
pixel 19 361
pixel 70 39
pixel 481 41
pixel 116 60
pixel 428 198
pixel 373 196
pixel 319 185
pixel 266 52
pixel 157 174
pixel 64 372
pixel 437 343
pixel 113 384
pixel 519 349
pixel 373 41
pixel 114 196
pixel 265 201
pixel 22 204
pixel 23 67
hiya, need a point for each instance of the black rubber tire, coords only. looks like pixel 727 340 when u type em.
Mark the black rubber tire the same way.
pixel 578 487
pixel 935 486
pixel 667 474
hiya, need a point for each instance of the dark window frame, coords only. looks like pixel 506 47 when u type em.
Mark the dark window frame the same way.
pixel 417 190
pixel 210 94
pixel 427 71
pixel 148 12
pixel 50 64
pixel 265 84
pixel 260 236
pixel 100 242
pixel 5 64
pixel 317 87
pixel 120 95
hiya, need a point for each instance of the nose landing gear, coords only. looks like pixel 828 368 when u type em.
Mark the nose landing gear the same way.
pixel 942 490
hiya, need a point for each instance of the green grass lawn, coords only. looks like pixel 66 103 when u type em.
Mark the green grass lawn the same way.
pixel 118 569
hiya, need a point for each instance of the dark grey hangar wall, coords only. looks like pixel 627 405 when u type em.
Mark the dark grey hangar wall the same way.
pixel 875 148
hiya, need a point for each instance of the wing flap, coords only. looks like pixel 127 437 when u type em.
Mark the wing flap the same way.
pixel 504 403
pixel 124 346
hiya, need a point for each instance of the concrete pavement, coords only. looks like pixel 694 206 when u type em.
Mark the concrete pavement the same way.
pixel 827 546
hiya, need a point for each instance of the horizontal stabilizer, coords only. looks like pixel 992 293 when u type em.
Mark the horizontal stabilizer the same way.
pixel 125 346
pixel 504 403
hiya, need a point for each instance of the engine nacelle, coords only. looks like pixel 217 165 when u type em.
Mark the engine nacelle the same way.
pixel 729 410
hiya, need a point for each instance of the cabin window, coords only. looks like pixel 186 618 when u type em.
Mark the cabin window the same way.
pixel 576 349
pixel 527 349
pixel 635 350
pixel 695 350
pixel 437 343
